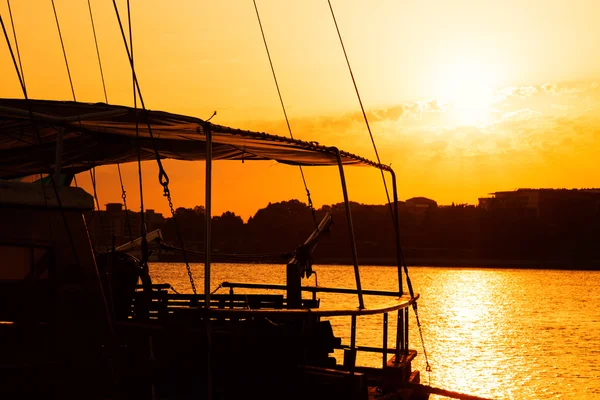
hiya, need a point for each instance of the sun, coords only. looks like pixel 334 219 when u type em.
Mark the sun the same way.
pixel 468 88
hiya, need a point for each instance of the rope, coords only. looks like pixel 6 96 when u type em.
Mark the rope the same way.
pixel 22 80
pixel 282 257
pixel 163 178
pixel 310 203
pixel 62 44
pixel 394 214
pixel 123 195
pixel 361 106
pixel 139 157
pixel 145 252
pixel 39 140
pixel 97 52
pixel 12 23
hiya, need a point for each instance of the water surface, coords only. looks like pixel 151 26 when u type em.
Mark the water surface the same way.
pixel 500 333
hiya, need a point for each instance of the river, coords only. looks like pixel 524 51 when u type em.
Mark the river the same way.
pixel 498 333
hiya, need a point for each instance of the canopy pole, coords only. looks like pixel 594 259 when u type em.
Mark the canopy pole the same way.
pixel 207 246
pixel 361 303
pixel 401 326
pixel 399 257
pixel 208 216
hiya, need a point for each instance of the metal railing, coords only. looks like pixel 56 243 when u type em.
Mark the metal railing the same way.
pixel 401 306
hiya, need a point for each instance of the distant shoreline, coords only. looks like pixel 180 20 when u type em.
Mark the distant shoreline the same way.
pixel 569 265
pixel 583 265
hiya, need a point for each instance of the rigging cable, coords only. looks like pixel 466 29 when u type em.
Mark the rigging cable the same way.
pixel 22 77
pixel 361 105
pixel 98 52
pixel 143 231
pixel 163 178
pixel 39 140
pixel 146 281
pixel 12 22
pixel 64 51
pixel 310 203
pixel 394 214
pixel 66 61
pixel 123 194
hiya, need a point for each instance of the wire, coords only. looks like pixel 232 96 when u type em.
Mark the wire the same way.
pixel 39 140
pixel 361 106
pixel 12 23
pixel 394 214
pixel 163 178
pixel 310 203
pixel 123 195
pixel 62 44
pixel 97 51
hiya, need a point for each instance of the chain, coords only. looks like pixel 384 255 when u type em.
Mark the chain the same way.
pixel 167 194
pixel 124 197
pixel 427 366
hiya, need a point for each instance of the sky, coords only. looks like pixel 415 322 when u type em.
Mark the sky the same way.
pixel 463 98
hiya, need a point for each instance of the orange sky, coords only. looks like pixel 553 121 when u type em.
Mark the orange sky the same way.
pixel 464 97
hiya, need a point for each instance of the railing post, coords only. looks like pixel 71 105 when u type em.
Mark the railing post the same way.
pixel 350 354
pixel 406 331
pixel 385 338
pixel 353 343
pixel 400 335
pixel 293 285
pixel 361 303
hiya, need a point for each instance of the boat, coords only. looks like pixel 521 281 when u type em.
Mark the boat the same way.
pixel 75 321
pixel 79 323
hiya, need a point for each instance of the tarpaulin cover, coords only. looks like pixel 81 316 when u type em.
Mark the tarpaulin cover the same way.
pixel 101 134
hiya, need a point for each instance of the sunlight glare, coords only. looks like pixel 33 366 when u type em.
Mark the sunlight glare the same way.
pixel 468 87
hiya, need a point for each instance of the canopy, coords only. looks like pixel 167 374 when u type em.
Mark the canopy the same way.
pixel 101 134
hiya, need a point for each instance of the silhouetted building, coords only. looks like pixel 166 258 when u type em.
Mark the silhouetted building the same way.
pixel 418 206
pixel 124 226
pixel 154 220
pixel 549 205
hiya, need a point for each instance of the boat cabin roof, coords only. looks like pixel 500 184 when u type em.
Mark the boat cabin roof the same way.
pixel 93 134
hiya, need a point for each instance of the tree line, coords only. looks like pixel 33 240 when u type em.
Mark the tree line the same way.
pixel 438 235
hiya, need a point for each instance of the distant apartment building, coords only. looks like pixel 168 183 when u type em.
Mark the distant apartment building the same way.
pixel 116 222
pixel 549 205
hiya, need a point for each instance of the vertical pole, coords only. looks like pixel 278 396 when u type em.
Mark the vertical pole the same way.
pixel 397 232
pixel 59 154
pixel 399 335
pixel 406 331
pixel 400 319
pixel 207 247
pixel 385 338
pixel 361 303
pixel 353 343
pixel 208 201
pixel 293 285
